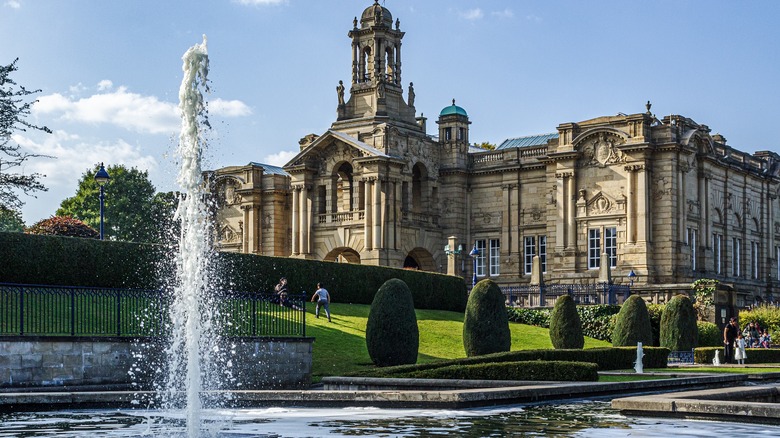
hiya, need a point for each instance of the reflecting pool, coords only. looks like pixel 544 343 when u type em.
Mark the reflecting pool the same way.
pixel 575 419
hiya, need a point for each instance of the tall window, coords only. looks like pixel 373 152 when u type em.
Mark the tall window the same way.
pixel 543 252
pixel 692 239
pixel 530 252
pixel 717 254
pixel 594 248
pixel 736 248
pixel 610 245
pixel 480 257
pixel 754 260
pixel 495 261
pixel 448 133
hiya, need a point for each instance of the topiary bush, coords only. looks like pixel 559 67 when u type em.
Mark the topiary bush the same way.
pixel 63 226
pixel 678 325
pixel 709 334
pixel 632 324
pixel 565 325
pixel 527 370
pixel 392 336
pixel 485 324
pixel 655 311
pixel 705 355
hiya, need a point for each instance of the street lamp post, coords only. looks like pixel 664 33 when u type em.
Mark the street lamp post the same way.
pixel 631 277
pixel 101 177
pixel 474 253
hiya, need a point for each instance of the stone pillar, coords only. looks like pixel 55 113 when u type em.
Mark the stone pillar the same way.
pixel 571 213
pixel 452 241
pixel 506 219
pixel 368 226
pixel 355 55
pixel 304 248
pixel 681 211
pixel 560 220
pixel 247 230
pixel 642 205
pixel 397 222
pixel 630 206
pixel 295 224
pixel 377 198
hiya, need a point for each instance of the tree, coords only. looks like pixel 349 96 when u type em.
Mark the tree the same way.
pixel 10 220
pixel 486 146
pixel 63 226
pixel 678 325
pixel 704 297
pixel 565 324
pixel 392 335
pixel 13 111
pixel 633 324
pixel 486 323
pixel 130 212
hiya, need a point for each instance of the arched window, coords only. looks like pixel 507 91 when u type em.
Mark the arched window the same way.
pixel 419 187
pixel 366 64
pixel 344 189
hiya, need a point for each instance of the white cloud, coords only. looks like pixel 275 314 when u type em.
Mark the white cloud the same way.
pixel 229 108
pixel 471 14
pixel 13 4
pixel 506 13
pixel 533 18
pixel 130 111
pixel 280 158
pixel 104 85
pixel 260 2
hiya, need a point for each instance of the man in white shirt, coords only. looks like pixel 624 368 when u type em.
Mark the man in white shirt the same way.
pixel 323 300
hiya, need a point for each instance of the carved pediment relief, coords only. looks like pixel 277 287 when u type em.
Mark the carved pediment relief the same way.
pixel 600 150
pixel 601 204
pixel 228 234
pixel 227 192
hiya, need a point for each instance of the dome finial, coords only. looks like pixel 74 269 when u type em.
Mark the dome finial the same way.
pixel 648 105
pixel 453 102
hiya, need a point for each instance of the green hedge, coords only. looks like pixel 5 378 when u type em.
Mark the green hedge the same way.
pixel 596 320
pixel 527 370
pixel 69 261
pixel 609 358
pixel 705 355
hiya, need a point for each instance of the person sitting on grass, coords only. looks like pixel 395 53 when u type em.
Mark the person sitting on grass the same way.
pixel 323 300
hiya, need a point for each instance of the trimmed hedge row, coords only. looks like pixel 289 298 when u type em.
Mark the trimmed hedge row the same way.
pixel 68 261
pixel 597 321
pixel 525 370
pixel 705 355
pixel 616 358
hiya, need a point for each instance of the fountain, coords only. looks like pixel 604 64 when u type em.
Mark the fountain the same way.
pixel 716 359
pixel 638 365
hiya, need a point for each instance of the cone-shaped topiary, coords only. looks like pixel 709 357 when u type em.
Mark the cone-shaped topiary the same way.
pixel 633 324
pixel 565 324
pixel 678 325
pixel 392 336
pixel 486 323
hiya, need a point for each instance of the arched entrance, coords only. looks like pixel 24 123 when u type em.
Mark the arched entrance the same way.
pixel 420 258
pixel 343 255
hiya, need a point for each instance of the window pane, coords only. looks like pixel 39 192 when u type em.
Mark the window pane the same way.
pixel 530 252
pixel 495 261
pixel 481 258
pixel 594 248
pixel 610 245
pixel 543 252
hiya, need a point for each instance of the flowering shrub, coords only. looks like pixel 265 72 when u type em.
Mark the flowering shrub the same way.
pixel 63 226
pixel 766 315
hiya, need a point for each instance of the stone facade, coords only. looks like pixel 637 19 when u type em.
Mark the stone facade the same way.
pixel 72 361
pixel 662 198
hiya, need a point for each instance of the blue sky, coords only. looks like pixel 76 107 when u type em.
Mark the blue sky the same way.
pixel 109 72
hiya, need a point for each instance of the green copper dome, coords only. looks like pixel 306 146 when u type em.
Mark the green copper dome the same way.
pixel 453 110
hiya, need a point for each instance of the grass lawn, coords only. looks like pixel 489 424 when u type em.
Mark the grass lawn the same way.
pixel 340 346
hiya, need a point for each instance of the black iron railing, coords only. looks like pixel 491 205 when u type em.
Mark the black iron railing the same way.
pixel 583 294
pixel 30 310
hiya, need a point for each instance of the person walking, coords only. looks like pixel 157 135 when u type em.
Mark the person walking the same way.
pixel 323 300
pixel 729 336
pixel 740 355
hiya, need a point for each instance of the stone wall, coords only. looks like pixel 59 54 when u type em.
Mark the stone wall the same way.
pixel 73 361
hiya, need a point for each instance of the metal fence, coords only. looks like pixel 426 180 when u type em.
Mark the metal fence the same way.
pixel 38 310
pixel 680 357
pixel 583 294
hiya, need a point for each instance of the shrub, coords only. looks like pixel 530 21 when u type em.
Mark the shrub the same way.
pixel 611 358
pixel 63 226
pixel 767 316
pixel 709 334
pixel 392 336
pixel 535 317
pixel 597 321
pixel 655 311
pixel 485 324
pixel 705 355
pixel 528 370
pixel 565 325
pixel 632 324
pixel 678 324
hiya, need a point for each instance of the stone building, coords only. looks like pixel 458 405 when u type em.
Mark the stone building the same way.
pixel 664 198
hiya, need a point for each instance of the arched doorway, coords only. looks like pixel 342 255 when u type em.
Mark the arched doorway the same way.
pixel 343 255
pixel 420 258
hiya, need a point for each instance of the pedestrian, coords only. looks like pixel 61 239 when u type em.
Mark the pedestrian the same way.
pixel 740 355
pixel 280 293
pixel 729 336
pixel 323 300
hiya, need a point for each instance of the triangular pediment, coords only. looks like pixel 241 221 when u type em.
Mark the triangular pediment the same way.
pixel 330 144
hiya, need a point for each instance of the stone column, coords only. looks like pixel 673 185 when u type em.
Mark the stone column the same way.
pixel 681 211
pixel 304 248
pixel 642 205
pixel 247 230
pixel 355 55
pixel 506 219
pixel 452 241
pixel 377 198
pixel 630 205
pixel 560 219
pixel 368 226
pixel 397 222
pixel 295 224
pixel 571 213
pixel 398 64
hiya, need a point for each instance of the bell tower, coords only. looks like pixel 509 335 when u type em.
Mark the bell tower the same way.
pixel 376 92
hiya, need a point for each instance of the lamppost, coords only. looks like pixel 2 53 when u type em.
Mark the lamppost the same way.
pixel 101 177
pixel 474 253
pixel 631 277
